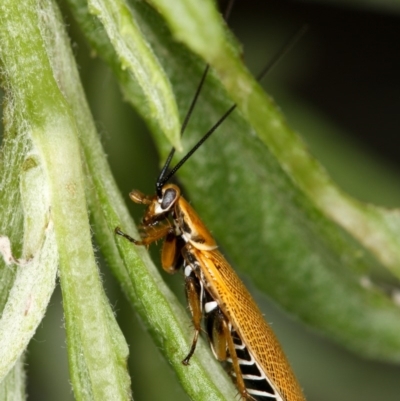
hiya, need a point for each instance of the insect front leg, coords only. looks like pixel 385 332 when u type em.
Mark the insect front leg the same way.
pixel 171 256
pixel 151 234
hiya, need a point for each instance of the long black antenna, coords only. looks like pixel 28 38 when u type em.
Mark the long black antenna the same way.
pixel 284 49
pixel 293 39
pixel 161 178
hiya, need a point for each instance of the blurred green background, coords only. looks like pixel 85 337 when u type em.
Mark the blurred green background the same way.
pixel 340 89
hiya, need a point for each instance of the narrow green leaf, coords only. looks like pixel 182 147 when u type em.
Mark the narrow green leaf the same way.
pixel 36 274
pixel 12 388
pixel 117 37
pixel 199 24
pixel 136 56
pixel 11 221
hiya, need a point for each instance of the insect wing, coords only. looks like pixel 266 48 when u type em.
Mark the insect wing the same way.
pixel 248 322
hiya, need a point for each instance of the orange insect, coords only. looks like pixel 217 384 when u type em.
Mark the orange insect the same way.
pixel 235 326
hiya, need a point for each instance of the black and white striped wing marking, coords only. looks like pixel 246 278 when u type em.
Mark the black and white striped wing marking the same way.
pixel 256 382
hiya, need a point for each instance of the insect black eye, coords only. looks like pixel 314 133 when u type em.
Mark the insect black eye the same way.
pixel 168 198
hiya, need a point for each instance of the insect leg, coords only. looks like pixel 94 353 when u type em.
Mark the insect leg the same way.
pixel 193 294
pixel 151 234
pixel 221 340
pixel 171 255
